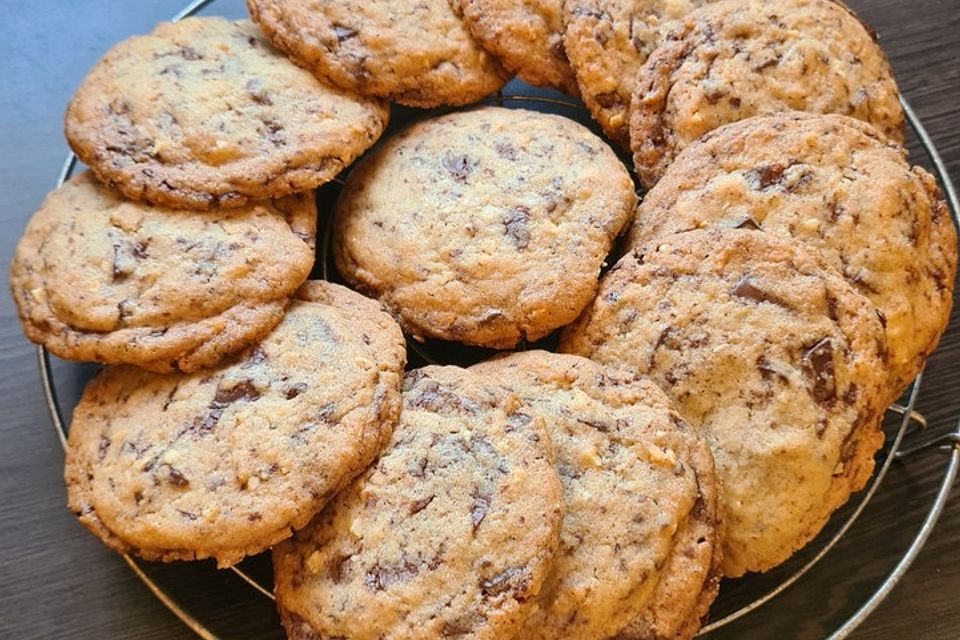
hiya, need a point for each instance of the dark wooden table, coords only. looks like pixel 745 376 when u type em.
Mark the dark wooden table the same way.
pixel 57 581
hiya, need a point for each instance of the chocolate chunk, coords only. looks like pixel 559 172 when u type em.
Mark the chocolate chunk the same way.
pixel 327 412
pixel 458 628
pixel 419 505
pixel 102 448
pixel 126 254
pixel 189 53
pixel 258 93
pixel 818 365
pixel 769 371
pixel 257 356
pixel 224 397
pixel 457 166
pixel 379 578
pixel 745 288
pixel 417 468
pixel 516 421
pixel 177 478
pixel 241 391
pixel 411 379
pixel 435 398
pixel 125 308
pixel 769 62
pixel 882 317
pixel 713 96
pixel 481 445
pixel 745 222
pixel 590 13
pixel 343 32
pixel 514 580
pixel 273 129
pixel 294 391
pixel 506 151
pixel 481 506
pixel 662 339
pixel 516 226
pixel 490 316
pixel 836 210
pixel 762 178
pixel 600 426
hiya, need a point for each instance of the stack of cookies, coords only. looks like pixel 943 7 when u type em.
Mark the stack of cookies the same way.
pixel 717 393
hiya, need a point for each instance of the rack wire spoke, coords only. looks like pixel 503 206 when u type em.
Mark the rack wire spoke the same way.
pixel 253 583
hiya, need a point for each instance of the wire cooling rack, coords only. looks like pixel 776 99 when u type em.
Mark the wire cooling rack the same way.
pixel 906 433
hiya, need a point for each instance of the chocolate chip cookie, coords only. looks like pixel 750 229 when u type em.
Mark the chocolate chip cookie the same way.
pixel 834 185
pixel 100 278
pixel 449 535
pixel 639 550
pixel 741 58
pixel 607 42
pixel 204 113
pixel 416 53
pixel 486 227
pixel 227 462
pixel 775 358
pixel 525 35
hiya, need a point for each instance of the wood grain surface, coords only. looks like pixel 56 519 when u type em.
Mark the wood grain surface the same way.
pixel 57 581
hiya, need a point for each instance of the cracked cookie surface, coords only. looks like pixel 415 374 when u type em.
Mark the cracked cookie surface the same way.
pixel 100 278
pixel 639 549
pixel 225 463
pixel 736 59
pixel 418 54
pixel 833 184
pixel 204 113
pixel 503 220
pixel 776 360
pixel 450 534
pixel 525 35
pixel 607 41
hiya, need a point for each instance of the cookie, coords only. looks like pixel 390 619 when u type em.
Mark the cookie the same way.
pixel 226 463
pixel 741 58
pixel 103 279
pixel 639 549
pixel 486 227
pixel 449 535
pixel 832 184
pixel 204 113
pixel 417 54
pixel 771 355
pixel 526 36
pixel 607 42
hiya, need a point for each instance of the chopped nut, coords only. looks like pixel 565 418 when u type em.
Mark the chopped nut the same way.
pixel 661 457
pixel 590 458
pixel 314 563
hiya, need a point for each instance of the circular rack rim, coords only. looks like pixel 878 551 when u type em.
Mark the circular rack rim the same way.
pixel 949 442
